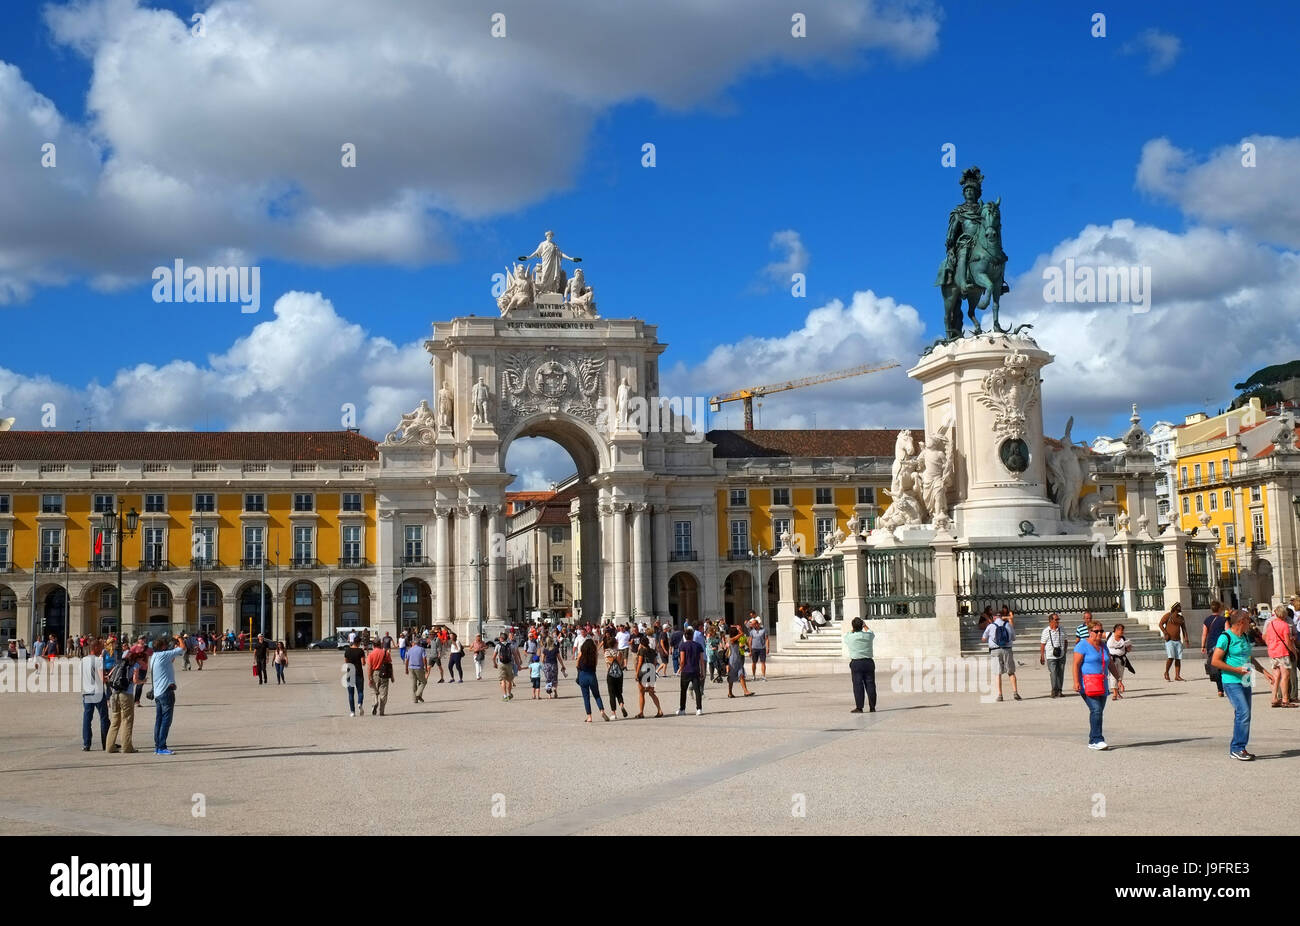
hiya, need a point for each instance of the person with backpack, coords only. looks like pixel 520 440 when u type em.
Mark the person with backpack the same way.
pixel 1211 630
pixel 646 676
pixel 503 660
pixel 615 666
pixel 1000 635
pixel 1233 658
pixel 121 703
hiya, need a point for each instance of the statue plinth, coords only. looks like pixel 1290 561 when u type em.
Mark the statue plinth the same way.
pixel 986 389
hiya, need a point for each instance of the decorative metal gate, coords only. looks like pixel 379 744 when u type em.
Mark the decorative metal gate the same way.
pixel 1149 579
pixel 899 582
pixel 1069 578
pixel 1199 559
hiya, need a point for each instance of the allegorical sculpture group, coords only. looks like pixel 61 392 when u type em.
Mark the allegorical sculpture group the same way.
pixel 547 276
pixel 920 481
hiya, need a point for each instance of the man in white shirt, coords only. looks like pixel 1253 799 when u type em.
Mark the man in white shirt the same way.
pixel 817 620
pixel 94 695
pixel 999 635
pixel 624 638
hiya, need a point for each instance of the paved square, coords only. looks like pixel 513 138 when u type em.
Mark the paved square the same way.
pixel 288 759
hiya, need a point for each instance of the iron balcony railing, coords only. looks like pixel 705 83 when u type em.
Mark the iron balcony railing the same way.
pixel 204 562
pixel 415 561
pixel 153 564
pixel 102 564
pixel 51 565
pixel 353 562
pixel 682 556
pixel 304 563
pixel 256 562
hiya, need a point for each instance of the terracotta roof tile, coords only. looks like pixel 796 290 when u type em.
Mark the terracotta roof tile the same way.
pixel 826 442
pixel 56 446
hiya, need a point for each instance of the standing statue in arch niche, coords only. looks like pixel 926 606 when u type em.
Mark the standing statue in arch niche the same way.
pixel 975 264
pixel 482 398
pixel 445 407
pixel 620 403
pixel 549 276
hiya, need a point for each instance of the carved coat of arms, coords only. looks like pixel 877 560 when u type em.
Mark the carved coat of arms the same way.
pixel 1008 391
pixel 534 384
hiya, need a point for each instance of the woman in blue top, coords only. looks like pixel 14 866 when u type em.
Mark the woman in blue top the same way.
pixel 1232 657
pixel 1090 674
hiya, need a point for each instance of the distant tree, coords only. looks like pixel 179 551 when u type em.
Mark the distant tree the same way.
pixel 1271 376
pixel 1267 396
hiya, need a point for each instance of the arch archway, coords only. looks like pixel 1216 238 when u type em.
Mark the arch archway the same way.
pixel 684 599
pixel 203 615
pixel 737 595
pixel 100 611
pixel 303 604
pixel 415 605
pixel 351 606
pixel 8 615
pixel 52 614
pixel 256 612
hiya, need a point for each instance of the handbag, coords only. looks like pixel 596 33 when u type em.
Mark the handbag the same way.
pixel 1094 686
pixel 254 670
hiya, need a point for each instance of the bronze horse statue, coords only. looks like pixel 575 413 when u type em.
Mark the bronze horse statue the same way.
pixel 984 266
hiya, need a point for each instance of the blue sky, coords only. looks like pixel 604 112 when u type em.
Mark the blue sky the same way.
pixel 837 140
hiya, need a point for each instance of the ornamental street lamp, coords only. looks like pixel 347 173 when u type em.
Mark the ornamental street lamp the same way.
pixel 110 522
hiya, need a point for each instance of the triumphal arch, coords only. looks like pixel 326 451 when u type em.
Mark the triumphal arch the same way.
pixel 546 364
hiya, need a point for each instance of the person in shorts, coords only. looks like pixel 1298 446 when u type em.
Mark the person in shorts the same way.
pixel 1174 628
pixel 535 675
pixel 999 635
pixel 503 658
pixel 1281 652
pixel 757 646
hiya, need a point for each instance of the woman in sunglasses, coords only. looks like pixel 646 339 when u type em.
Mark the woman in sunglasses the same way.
pixel 1090 680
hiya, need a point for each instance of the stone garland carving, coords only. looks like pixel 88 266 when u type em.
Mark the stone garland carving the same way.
pixel 532 384
pixel 1009 391
pixel 415 427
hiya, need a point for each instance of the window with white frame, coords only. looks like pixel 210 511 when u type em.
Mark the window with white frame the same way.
pixel 1200 503
pixel 101 503
pixel 304 501
pixel 108 599
pixel 6 505
pixel 155 503
pixel 1196 472
pixel 738 498
pixel 1214 501
pixel 349 594
pixel 351 501
pixel 254 544
pixel 557 564
pixel 824 495
pixel 51 545
pixel 51 504
pixel 352 545
pixel 414 543
pixel 682 537
pixel 105 556
pixel 254 501
pixel 1230 534
pixel 302 595
pixel 1254 493
pixel 203 546
pixel 824 527
pixel 303 547
pixel 159 597
pixel 557 535
pixel 1227 467
pixel 1257 527
pixel 780 527
pixel 739 536
pixel 1187 505
pixel 152 551
pixel 208 597
pixel 1182 475
pixel 205 501
pixel 4 546
pixel 866 495
pixel 780 496
pixel 557 593
pixel 1227 499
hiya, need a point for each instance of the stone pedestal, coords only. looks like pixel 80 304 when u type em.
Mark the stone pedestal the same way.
pixel 988 389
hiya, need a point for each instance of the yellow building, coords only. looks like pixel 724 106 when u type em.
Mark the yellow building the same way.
pixel 279 529
pixel 1237 480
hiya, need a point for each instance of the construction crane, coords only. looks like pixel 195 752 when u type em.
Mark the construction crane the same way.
pixel 748 395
